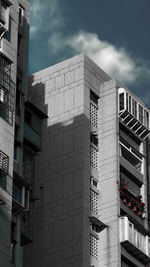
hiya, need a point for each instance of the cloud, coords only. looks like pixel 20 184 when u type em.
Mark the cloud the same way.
pixel 115 61
pixel 48 25
pixel 45 17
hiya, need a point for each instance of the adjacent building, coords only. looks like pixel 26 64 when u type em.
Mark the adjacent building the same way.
pixel 92 176
pixel 20 135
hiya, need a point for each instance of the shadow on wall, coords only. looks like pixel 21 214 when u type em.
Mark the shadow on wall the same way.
pixel 62 184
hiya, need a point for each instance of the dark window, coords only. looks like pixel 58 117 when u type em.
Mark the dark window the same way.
pixel 141 114
pixel 129 103
pixel 127 96
pixel 94 97
pixel 134 108
pixel 3 8
pixel 19 44
pixel 17 193
pixel 94 183
pixel 121 101
pixel 28 117
pixel 21 13
pixel 94 139
pixel 7 34
pixel 16 152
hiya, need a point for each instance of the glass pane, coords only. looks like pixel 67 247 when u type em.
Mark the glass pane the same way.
pixel 121 101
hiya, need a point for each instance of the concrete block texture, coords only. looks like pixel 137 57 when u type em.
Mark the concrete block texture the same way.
pixel 109 174
pixel 63 209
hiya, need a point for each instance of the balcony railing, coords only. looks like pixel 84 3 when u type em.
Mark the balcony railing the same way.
pixel 134 241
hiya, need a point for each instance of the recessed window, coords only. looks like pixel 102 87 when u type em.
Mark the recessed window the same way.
pixel 21 15
pixel 141 114
pixel 121 101
pixel 16 153
pixel 3 8
pixel 28 117
pixel 94 97
pixel 134 108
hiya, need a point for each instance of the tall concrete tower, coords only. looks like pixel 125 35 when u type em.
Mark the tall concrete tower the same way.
pixel 92 177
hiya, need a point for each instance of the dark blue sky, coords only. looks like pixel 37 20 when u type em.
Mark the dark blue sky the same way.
pixel 114 33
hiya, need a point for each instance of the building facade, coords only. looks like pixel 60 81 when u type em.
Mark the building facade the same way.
pixel 92 177
pixel 20 135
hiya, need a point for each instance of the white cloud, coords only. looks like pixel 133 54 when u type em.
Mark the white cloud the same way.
pixel 116 62
pixel 45 16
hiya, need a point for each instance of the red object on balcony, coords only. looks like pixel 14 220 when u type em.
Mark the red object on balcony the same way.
pixel 134 208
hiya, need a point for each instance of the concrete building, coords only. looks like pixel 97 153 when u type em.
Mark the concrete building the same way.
pixel 92 177
pixel 20 135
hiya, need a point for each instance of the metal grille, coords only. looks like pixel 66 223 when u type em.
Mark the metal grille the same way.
pixel 4 160
pixel 93 246
pixel 28 224
pixel 93 114
pixel 94 157
pixel 94 200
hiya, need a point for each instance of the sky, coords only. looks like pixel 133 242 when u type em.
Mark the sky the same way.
pixel 115 34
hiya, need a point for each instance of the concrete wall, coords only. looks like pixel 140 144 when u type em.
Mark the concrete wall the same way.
pixel 63 175
pixel 109 175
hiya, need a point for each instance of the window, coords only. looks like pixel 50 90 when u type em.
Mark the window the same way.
pixel 21 15
pixel 146 119
pixel 129 103
pixel 121 101
pixel 134 108
pixel 17 193
pixel 7 90
pixel 131 155
pixel 94 97
pixel 141 114
pixel 28 117
pixel 3 8
pixel 19 44
pixel 94 139
pixel 16 153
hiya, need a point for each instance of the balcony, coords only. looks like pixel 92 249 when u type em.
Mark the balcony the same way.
pixel 134 241
pixel 133 115
pixel 32 137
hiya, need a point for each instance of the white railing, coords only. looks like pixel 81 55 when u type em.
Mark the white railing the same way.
pixel 129 233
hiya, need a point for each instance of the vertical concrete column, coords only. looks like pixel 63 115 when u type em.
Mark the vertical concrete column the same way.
pixel 109 247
